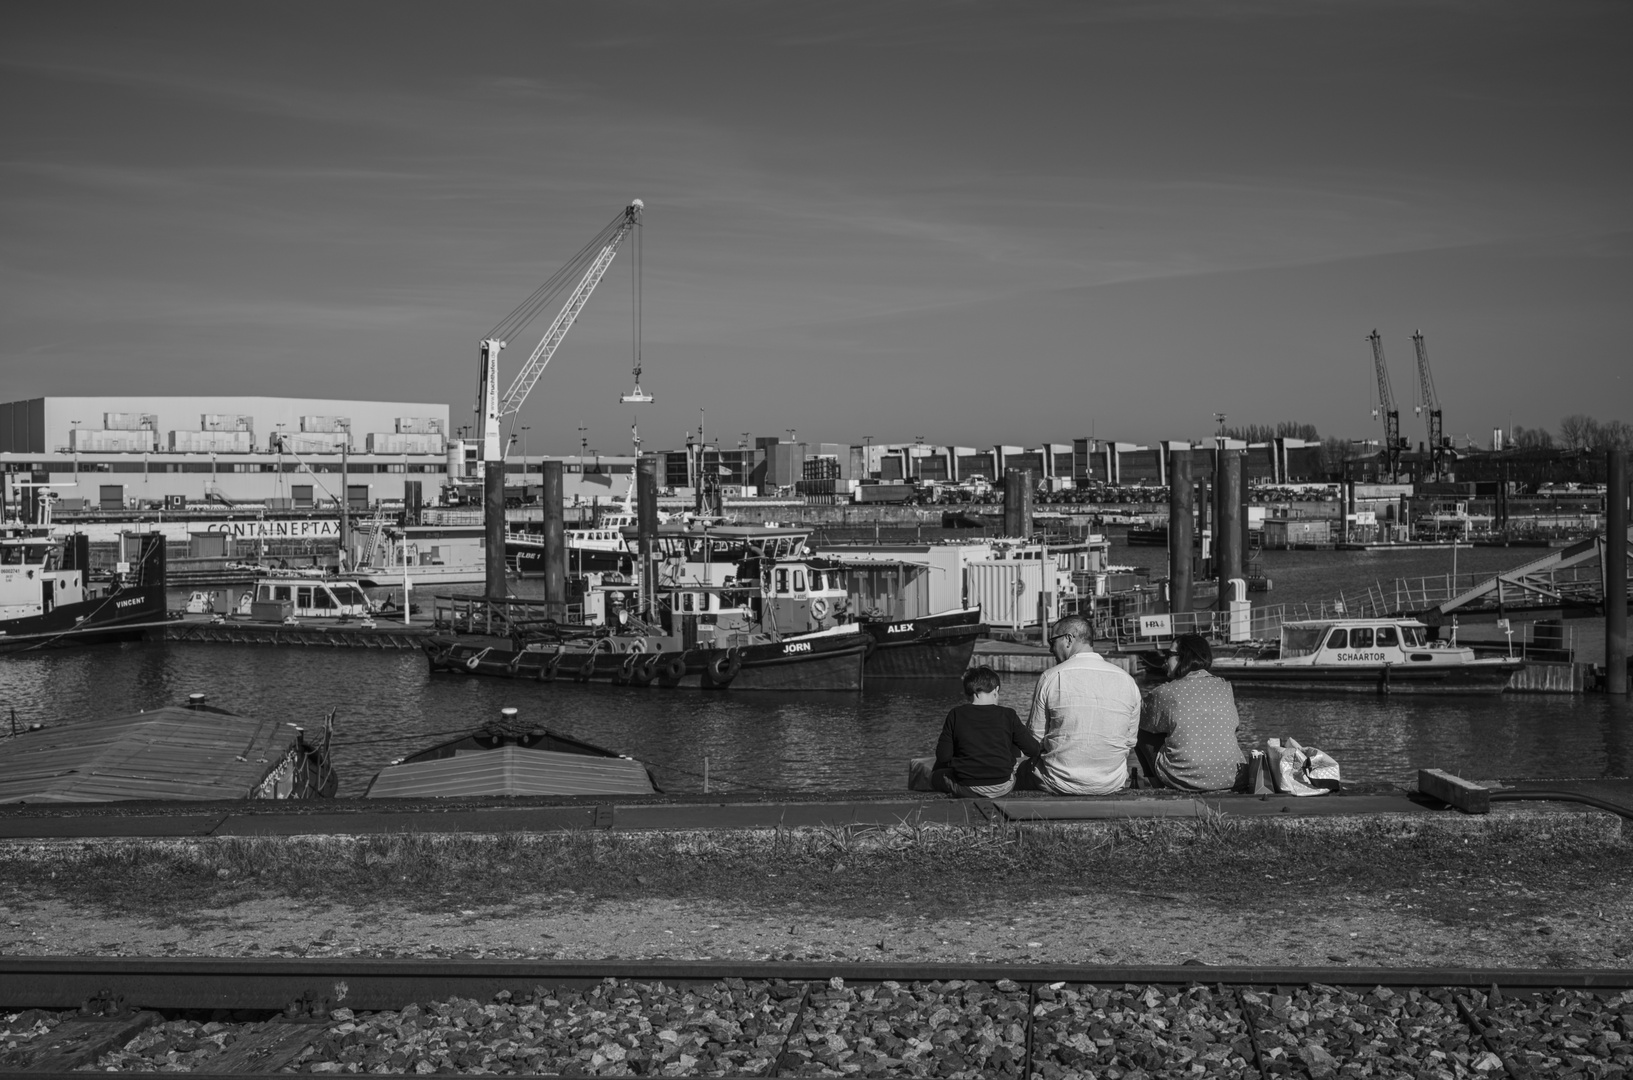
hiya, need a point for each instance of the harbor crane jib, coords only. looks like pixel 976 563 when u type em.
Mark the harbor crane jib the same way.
pixel 1428 407
pixel 587 267
pixel 1391 456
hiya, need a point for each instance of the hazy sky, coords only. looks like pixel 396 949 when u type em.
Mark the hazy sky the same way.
pixel 974 222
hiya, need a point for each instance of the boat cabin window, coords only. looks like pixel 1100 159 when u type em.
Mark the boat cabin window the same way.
pixel 1360 637
pixel 799 581
pixel 322 600
pixel 1387 638
pixel 1300 640
pixel 686 601
pixel 11 555
pixel 782 581
pixel 1412 636
pixel 264 593
pixel 1339 639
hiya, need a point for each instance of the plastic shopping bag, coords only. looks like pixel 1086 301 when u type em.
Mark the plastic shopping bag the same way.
pixel 1300 771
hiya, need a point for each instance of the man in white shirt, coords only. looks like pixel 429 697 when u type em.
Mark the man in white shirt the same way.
pixel 1086 713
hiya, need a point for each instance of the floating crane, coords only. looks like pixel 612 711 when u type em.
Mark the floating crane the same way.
pixel 1391 456
pixel 589 266
pixel 1428 407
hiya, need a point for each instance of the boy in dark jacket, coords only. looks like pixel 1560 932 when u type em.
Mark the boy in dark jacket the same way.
pixel 981 742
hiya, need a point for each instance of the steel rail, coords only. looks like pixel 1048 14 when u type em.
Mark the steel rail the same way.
pixel 274 983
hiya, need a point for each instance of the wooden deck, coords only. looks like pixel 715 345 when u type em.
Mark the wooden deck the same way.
pixel 169 753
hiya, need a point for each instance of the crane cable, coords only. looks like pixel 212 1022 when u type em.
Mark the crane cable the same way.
pixel 529 309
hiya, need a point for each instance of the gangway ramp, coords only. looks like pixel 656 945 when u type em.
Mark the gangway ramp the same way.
pixel 1534 586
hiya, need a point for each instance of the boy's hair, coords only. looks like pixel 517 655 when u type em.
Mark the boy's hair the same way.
pixel 980 680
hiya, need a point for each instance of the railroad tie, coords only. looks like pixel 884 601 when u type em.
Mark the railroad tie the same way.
pixel 76 1042
pixel 270 1049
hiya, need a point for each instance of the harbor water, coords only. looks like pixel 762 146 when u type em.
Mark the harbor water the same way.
pixel 387 704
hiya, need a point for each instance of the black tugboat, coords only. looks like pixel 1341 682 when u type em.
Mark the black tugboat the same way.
pixel 48 598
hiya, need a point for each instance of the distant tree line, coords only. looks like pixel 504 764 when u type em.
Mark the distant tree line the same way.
pixel 1285 429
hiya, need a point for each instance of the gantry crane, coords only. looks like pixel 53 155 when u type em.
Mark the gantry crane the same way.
pixel 1428 407
pixel 1390 458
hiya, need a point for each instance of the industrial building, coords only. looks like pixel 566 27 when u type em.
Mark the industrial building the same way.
pixel 136 453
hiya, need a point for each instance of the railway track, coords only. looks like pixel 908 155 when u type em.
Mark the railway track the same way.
pixel 221 1017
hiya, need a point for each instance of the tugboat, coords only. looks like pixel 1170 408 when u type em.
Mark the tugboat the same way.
pixel 1368 656
pixel 49 599
pixel 779 632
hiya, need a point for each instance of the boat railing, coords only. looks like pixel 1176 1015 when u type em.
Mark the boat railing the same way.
pixel 512 615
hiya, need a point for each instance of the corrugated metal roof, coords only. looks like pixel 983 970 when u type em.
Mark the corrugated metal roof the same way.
pixel 169 753
pixel 511 770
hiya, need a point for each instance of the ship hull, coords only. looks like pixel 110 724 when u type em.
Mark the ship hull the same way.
pixel 829 662
pixel 1475 677
pixel 933 647
pixel 119 616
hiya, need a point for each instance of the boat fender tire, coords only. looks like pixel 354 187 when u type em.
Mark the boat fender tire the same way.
pixel 819 609
pixel 723 669
pixel 646 670
pixel 472 661
pixel 587 668
pixel 674 668
pixel 626 671
pixel 547 670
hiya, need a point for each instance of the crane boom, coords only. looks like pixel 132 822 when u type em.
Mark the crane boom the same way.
pixel 522 385
pixel 493 406
pixel 1429 405
pixel 1386 405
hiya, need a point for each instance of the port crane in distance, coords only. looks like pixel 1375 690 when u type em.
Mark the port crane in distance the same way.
pixel 588 266
pixel 1391 458
pixel 593 260
pixel 1428 407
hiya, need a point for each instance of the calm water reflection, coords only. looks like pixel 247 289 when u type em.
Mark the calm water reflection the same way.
pixel 388 704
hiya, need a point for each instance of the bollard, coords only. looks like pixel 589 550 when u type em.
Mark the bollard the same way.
pixel 1181 530
pixel 493 518
pixel 555 541
pixel 1615 572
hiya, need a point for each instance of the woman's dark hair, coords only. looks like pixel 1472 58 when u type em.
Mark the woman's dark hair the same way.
pixel 1194 654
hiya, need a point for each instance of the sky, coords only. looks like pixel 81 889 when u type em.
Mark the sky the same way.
pixel 973 223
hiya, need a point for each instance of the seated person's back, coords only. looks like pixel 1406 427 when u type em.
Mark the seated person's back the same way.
pixel 1188 729
pixel 1085 714
pixel 981 742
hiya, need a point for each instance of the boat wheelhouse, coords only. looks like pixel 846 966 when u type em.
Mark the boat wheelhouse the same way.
pixel 305 598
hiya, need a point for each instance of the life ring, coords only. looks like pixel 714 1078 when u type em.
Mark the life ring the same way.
pixel 626 671
pixel 245 601
pixel 724 668
pixel 819 608
pixel 587 668
pixel 637 646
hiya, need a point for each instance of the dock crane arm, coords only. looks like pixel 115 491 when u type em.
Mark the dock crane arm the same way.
pixel 1386 405
pixel 592 261
pixel 1429 404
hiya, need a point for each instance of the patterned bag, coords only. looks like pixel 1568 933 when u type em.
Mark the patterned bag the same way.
pixel 1298 770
